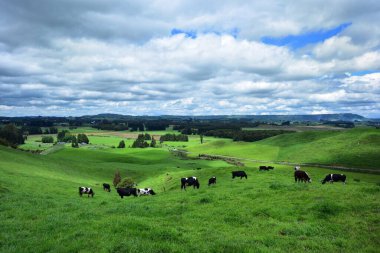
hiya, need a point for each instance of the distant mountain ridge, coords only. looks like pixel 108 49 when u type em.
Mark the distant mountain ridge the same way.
pixel 302 118
pixel 306 117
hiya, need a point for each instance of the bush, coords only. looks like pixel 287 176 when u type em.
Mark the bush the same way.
pixel 47 139
pixel 121 144
pixel 82 138
pixel 126 183
pixel 65 136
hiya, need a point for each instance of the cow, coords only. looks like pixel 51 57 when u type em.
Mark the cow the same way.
pixel 334 178
pixel 297 168
pixel 266 168
pixel 106 187
pixel 127 192
pixel 86 190
pixel 212 181
pixel 300 175
pixel 239 173
pixel 189 181
pixel 145 191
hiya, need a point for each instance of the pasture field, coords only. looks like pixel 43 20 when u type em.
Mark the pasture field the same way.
pixel 41 210
pixel 358 148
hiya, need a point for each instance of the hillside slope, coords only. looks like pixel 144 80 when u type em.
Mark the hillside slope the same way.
pixel 358 148
pixel 268 212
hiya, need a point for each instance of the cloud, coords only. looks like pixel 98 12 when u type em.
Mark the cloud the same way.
pixel 164 57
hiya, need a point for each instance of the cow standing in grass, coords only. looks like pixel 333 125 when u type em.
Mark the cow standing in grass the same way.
pixel 266 168
pixel 334 178
pixel 240 174
pixel 106 187
pixel 189 181
pixel 301 176
pixel 86 190
pixel 212 181
pixel 145 191
pixel 127 192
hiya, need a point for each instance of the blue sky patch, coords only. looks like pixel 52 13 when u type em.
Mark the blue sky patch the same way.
pixel 301 40
pixel 189 34
pixel 363 72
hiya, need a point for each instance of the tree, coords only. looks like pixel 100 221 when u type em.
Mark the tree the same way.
pixel 65 136
pixel 201 136
pixel 82 138
pixel 47 139
pixel 74 142
pixel 140 142
pixel 153 143
pixel 117 178
pixel 53 130
pixel 10 135
pixel 121 144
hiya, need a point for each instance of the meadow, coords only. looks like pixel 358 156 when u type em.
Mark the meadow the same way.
pixel 41 210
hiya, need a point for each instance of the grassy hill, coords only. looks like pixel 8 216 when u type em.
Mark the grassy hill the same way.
pixel 352 148
pixel 41 210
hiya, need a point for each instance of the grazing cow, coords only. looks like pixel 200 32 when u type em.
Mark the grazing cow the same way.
pixel 145 191
pixel 239 173
pixel 106 187
pixel 86 190
pixel 300 175
pixel 334 178
pixel 127 192
pixel 266 168
pixel 212 181
pixel 189 181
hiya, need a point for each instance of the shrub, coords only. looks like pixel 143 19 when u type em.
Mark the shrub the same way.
pixel 47 139
pixel 121 144
pixel 82 138
pixel 126 183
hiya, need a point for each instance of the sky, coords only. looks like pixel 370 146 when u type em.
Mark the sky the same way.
pixel 82 57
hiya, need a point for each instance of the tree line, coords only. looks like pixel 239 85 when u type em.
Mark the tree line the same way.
pixel 248 136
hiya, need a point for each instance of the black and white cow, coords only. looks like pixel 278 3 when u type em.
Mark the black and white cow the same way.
pixel 266 168
pixel 334 178
pixel 106 187
pixel 301 176
pixel 145 191
pixel 126 192
pixel 189 181
pixel 212 181
pixel 240 174
pixel 86 190
pixel 297 168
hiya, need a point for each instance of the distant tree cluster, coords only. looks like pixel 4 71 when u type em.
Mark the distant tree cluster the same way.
pixel 51 130
pixel 340 123
pixel 29 130
pixel 248 136
pixel 66 136
pixel 10 135
pixel 47 139
pixel 82 138
pixel 174 137
pixel 141 141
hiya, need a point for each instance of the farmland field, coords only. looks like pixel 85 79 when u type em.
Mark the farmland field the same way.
pixel 41 210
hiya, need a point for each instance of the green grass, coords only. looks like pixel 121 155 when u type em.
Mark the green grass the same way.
pixel 352 148
pixel 41 211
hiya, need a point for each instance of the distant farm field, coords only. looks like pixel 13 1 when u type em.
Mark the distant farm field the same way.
pixel 41 210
